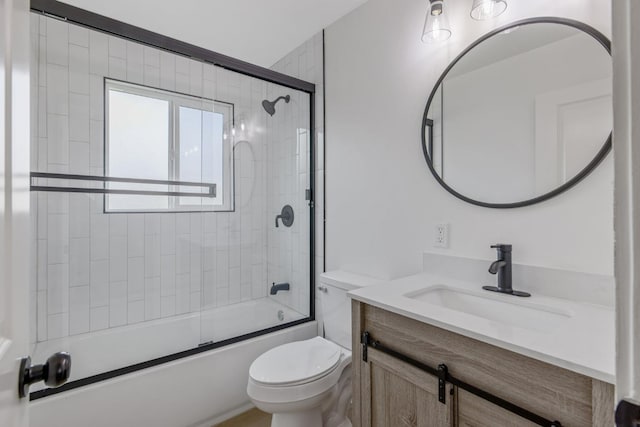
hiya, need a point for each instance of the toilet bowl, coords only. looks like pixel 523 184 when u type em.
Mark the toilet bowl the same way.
pixel 304 383
pixel 308 383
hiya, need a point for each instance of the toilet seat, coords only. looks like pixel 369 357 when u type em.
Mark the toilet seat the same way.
pixel 300 391
pixel 296 363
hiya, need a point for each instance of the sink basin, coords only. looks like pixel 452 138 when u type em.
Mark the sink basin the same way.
pixel 505 310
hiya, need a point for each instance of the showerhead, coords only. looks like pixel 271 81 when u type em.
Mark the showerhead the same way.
pixel 270 106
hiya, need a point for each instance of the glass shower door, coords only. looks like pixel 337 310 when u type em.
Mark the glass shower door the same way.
pixel 259 254
pixel 156 183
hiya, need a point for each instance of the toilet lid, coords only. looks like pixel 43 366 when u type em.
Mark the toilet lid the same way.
pixel 296 362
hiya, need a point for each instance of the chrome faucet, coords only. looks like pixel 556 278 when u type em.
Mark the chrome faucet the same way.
pixel 502 267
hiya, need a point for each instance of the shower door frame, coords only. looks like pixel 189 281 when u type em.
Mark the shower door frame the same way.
pixel 57 10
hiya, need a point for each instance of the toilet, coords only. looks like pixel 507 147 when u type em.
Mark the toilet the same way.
pixel 308 383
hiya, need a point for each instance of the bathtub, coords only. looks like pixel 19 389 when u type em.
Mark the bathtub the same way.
pixel 198 390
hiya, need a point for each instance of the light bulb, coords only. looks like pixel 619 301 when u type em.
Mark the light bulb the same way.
pixel 486 9
pixel 233 131
pixel 242 126
pixel 436 24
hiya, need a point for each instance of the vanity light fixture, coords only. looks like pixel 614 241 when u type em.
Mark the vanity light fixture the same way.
pixel 486 9
pixel 436 24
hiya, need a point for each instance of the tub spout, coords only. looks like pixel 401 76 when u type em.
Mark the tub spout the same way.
pixel 279 287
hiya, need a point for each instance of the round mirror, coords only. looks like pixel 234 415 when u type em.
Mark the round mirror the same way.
pixel 523 114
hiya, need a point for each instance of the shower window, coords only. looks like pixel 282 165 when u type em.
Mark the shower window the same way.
pixel 156 134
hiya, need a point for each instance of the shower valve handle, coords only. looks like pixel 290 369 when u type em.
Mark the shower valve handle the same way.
pixel 286 216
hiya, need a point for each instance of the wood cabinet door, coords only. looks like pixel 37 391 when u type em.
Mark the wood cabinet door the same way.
pixel 474 411
pixel 396 394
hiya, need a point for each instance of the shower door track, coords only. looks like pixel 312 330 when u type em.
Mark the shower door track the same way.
pixel 71 385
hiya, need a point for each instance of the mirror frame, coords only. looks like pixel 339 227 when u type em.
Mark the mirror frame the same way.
pixel 602 153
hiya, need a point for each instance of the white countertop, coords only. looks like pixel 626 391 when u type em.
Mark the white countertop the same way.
pixel 583 343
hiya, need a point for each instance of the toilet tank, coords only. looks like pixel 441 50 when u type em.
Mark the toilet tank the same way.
pixel 334 306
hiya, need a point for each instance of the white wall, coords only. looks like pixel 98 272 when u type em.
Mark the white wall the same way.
pixel 381 200
pixel 288 251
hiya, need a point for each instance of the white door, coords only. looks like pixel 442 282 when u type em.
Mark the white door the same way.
pixel 571 125
pixel 14 205
pixel 626 147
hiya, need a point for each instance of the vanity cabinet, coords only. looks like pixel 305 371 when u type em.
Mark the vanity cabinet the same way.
pixel 398 394
pixel 388 391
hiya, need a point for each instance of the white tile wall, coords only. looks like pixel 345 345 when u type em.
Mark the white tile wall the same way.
pixel 289 252
pixel 95 271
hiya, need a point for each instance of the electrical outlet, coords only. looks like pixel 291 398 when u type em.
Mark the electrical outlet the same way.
pixel 441 236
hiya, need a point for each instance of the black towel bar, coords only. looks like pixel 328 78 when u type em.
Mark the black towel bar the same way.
pixel 210 188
